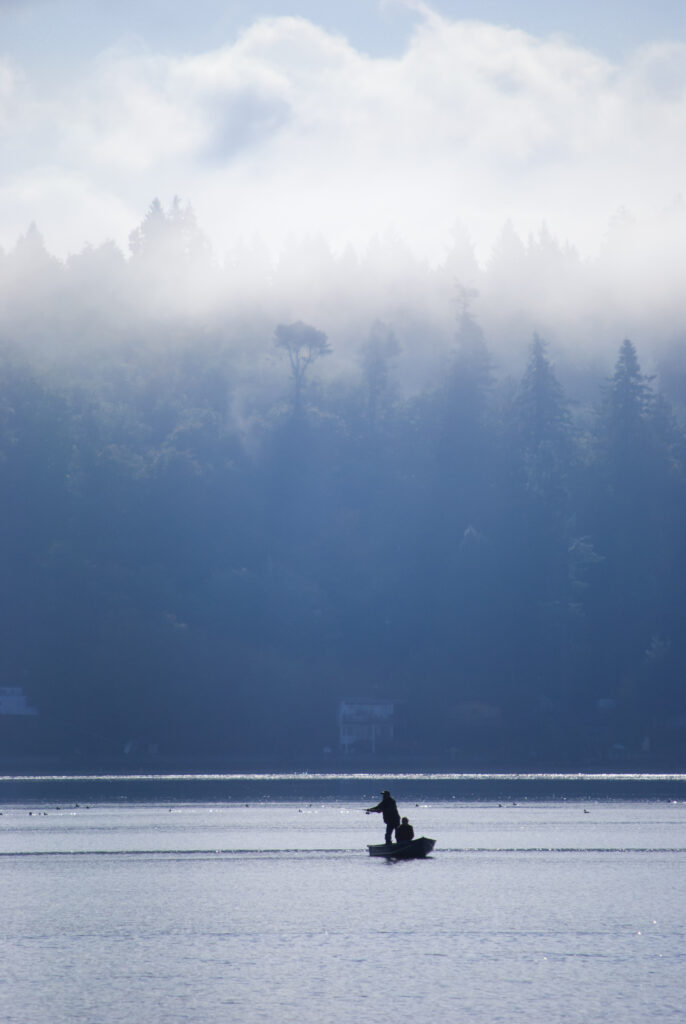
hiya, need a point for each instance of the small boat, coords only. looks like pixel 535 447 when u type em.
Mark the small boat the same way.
pixel 403 851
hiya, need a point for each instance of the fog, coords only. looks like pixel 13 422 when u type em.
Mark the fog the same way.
pixel 340 185
pixel 289 128
pixel 329 374
pixel 238 492
pixel 169 278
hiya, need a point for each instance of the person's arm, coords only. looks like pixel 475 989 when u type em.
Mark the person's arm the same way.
pixel 370 810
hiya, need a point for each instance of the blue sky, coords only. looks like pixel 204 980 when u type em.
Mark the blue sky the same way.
pixel 58 32
pixel 345 119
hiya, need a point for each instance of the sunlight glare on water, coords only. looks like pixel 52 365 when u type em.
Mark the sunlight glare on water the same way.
pixel 273 911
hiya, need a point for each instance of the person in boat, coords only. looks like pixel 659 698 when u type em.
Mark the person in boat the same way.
pixel 389 809
pixel 404 832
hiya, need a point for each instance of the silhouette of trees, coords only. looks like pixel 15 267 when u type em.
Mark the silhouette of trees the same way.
pixel 303 345
pixel 186 565
pixel 376 357
pixel 624 415
pixel 169 236
pixel 171 260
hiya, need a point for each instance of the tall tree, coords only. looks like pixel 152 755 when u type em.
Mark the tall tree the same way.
pixel 171 235
pixel 171 259
pixel 303 345
pixel 376 359
pixel 623 521
pixel 542 427
pixel 624 431
pixel 533 536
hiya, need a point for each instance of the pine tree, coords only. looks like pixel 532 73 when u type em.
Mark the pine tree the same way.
pixel 624 429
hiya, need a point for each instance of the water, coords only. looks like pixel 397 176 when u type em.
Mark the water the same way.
pixel 532 911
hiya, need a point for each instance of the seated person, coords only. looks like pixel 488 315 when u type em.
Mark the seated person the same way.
pixel 404 832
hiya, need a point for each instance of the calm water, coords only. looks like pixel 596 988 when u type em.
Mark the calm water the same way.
pixel 270 910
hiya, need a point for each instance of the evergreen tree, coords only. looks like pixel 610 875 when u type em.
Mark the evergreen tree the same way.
pixel 534 539
pixel 376 359
pixel 624 521
pixel 624 431
pixel 171 260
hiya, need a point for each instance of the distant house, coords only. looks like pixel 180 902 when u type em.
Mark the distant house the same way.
pixel 13 701
pixel 365 726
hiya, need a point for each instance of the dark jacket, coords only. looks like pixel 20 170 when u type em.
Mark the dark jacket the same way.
pixel 389 809
pixel 404 833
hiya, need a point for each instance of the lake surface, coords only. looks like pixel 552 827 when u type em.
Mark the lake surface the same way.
pixel 268 908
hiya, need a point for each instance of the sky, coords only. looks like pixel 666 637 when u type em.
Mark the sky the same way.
pixel 341 119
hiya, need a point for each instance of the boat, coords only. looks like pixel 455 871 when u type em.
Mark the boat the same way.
pixel 408 850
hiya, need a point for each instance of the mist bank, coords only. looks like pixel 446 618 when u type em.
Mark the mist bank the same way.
pixel 222 516
pixel 171 290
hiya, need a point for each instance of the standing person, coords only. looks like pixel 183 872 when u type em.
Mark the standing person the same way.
pixel 389 809
pixel 404 832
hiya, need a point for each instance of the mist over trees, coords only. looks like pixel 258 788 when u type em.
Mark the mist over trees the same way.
pixel 237 492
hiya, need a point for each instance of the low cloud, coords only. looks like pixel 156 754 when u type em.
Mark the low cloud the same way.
pixel 291 130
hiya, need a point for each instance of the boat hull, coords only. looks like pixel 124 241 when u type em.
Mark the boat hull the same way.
pixel 409 850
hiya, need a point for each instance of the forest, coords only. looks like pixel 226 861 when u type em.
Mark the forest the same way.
pixel 237 493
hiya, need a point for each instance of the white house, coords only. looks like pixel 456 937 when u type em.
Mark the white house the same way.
pixel 366 725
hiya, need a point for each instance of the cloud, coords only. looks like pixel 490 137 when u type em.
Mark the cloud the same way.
pixel 290 129
pixel 69 209
pixel 10 85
